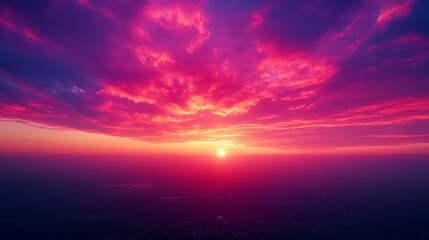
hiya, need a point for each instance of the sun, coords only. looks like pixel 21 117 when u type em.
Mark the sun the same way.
pixel 221 152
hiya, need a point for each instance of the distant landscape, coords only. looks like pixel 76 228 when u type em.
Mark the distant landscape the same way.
pixel 156 197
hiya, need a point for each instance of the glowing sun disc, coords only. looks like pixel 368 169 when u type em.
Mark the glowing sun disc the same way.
pixel 221 152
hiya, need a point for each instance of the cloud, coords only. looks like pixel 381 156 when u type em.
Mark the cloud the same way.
pixel 291 74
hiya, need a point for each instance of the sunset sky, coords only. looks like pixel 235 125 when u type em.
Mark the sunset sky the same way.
pixel 260 76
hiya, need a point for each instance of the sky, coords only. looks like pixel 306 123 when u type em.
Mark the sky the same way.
pixel 193 76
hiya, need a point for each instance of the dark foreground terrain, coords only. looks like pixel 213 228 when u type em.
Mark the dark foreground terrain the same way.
pixel 153 197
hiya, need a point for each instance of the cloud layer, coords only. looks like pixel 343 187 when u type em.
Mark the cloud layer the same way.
pixel 288 74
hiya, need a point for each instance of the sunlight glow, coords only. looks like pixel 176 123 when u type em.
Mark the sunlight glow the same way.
pixel 221 152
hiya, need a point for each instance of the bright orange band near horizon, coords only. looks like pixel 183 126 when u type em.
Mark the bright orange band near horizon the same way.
pixel 16 137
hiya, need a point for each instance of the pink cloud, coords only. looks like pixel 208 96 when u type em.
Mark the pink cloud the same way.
pixel 394 10
pixel 282 74
pixel 23 31
pixel 184 16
